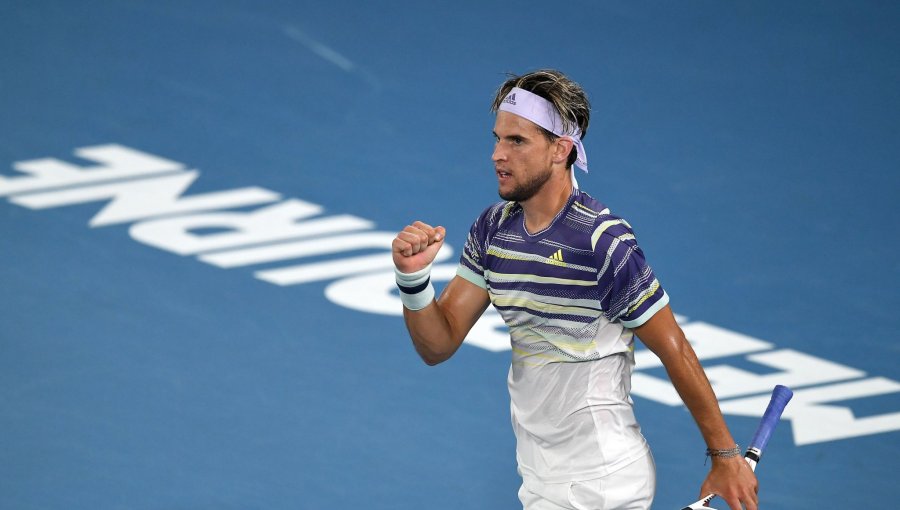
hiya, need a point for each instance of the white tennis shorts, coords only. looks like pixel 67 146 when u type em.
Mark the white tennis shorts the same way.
pixel 630 488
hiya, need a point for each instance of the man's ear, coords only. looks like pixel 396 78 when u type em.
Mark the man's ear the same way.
pixel 561 150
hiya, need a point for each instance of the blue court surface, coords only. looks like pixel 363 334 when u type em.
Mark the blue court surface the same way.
pixel 197 201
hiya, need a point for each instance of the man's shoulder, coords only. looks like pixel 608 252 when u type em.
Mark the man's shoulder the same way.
pixel 586 203
pixel 606 226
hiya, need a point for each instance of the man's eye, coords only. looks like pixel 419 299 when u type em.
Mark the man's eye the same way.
pixel 516 140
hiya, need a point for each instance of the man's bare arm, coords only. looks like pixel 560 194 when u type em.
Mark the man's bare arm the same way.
pixel 729 478
pixel 439 329
pixel 440 326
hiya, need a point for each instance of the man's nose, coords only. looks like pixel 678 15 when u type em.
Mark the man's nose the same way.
pixel 498 154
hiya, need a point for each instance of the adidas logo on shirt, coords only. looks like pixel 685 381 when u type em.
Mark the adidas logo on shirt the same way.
pixel 556 256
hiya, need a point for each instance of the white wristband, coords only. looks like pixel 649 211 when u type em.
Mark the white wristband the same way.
pixel 416 291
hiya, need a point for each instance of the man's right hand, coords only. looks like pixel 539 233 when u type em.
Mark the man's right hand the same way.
pixel 416 246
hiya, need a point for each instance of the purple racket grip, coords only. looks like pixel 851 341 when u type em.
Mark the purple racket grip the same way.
pixel 781 395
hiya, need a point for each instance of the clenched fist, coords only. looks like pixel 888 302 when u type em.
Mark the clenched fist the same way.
pixel 416 246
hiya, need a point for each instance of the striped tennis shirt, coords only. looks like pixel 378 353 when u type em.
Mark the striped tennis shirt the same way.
pixel 571 295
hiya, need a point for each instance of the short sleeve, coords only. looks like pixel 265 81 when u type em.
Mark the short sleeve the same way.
pixel 629 291
pixel 471 260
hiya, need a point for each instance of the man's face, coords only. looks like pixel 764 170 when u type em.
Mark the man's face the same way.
pixel 522 157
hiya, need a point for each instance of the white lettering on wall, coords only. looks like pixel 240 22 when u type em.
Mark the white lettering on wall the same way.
pixel 146 198
pixel 117 162
pixel 813 422
pixel 273 223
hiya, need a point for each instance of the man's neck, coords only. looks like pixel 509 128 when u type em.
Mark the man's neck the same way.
pixel 542 208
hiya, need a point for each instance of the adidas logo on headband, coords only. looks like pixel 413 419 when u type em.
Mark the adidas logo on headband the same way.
pixel 510 98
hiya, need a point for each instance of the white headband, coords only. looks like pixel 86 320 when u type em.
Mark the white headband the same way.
pixel 535 108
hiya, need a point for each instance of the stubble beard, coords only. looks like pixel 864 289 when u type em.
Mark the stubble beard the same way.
pixel 528 189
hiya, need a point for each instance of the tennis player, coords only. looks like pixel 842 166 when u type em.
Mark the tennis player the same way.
pixel 572 285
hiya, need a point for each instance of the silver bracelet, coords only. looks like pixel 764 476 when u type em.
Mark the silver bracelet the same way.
pixel 730 452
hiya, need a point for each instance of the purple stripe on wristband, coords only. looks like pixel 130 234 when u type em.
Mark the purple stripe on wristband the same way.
pixel 415 290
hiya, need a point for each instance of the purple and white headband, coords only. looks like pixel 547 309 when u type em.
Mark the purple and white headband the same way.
pixel 535 108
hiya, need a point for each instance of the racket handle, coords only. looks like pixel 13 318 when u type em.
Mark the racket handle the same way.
pixel 781 395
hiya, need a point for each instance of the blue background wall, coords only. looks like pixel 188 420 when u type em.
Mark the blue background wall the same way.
pixel 754 147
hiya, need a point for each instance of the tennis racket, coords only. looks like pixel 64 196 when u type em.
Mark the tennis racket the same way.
pixel 781 395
